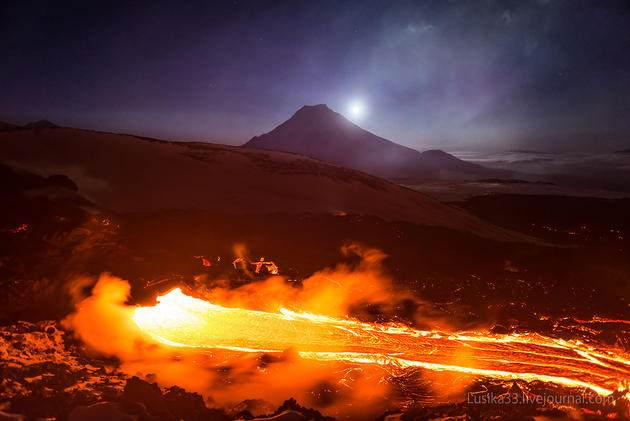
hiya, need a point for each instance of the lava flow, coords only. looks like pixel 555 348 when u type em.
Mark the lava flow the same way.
pixel 181 320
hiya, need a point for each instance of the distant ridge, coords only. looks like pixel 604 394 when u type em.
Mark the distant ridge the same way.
pixel 5 127
pixel 40 124
pixel 321 133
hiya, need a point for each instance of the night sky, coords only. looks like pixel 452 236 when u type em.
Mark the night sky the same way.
pixel 550 75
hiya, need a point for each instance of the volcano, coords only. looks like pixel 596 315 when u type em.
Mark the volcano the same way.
pixel 321 133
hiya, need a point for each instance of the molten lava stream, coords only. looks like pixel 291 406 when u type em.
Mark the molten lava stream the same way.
pixel 181 320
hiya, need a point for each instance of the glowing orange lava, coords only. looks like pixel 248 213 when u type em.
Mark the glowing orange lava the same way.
pixel 181 320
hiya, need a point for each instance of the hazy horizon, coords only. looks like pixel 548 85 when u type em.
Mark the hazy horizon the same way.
pixel 453 148
pixel 495 76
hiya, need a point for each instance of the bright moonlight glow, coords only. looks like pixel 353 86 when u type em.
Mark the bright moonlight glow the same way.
pixel 356 109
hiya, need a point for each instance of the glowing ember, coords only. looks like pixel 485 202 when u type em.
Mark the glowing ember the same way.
pixel 271 267
pixel 21 228
pixel 180 320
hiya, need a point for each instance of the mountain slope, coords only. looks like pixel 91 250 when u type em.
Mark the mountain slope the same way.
pixel 321 133
pixel 125 173
pixel 8 126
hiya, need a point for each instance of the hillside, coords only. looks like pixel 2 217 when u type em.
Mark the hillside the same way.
pixel 130 174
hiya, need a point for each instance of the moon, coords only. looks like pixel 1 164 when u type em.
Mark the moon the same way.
pixel 356 109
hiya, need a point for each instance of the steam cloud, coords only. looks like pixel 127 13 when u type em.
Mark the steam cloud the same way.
pixel 104 322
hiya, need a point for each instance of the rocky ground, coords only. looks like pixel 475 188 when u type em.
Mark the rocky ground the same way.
pixel 50 235
pixel 46 374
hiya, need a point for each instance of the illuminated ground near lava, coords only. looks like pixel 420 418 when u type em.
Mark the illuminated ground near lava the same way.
pixel 184 321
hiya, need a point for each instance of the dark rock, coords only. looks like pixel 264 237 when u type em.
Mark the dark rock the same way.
pixel 551 412
pixel 499 330
pixel 254 407
pixel 244 415
pixel 184 405
pixel 102 411
pixel 148 394
pixel 311 414
pixel 288 415
pixel 147 401
pixel 46 403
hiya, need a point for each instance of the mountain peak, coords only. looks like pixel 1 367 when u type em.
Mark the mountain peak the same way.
pixel 316 107
pixel 318 111
pixel 321 133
